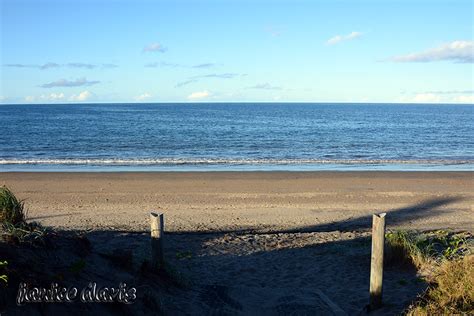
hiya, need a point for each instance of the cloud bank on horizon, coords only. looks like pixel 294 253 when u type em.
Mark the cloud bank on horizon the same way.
pixel 199 95
pixel 206 51
pixel 60 97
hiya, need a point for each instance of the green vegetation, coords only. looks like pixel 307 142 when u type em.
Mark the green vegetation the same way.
pixel 13 225
pixel 32 233
pixel 428 248
pixel 12 210
pixel 451 292
pixel 449 258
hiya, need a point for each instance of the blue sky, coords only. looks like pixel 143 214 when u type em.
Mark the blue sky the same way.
pixel 236 51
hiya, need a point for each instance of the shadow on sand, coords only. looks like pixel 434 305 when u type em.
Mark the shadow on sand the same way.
pixel 219 273
pixel 396 218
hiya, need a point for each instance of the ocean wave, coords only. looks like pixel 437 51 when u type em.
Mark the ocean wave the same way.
pixel 203 161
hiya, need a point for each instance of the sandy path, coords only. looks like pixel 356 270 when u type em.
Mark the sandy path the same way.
pixel 265 201
pixel 320 241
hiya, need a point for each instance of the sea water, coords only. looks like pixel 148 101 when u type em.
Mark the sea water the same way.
pixel 236 136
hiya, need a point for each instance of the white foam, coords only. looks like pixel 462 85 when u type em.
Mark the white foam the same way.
pixel 216 161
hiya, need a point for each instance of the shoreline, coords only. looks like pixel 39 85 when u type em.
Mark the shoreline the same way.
pixel 233 171
pixel 246 201
pixel 5 168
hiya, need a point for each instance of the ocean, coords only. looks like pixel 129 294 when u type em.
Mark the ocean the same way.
pixel 236 136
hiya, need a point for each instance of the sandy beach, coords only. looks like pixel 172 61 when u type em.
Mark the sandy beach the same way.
pixel 236 158
pixel 242 243
pixel 247 201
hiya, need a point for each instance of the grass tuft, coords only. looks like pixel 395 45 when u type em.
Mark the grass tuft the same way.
pixel 406 246
pixel 12 210
pixel 13 225
pixel 428 249
pixel 448 256
pixel 453 290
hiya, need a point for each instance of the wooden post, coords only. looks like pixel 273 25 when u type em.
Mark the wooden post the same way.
pixel 157 225
pixel 376 265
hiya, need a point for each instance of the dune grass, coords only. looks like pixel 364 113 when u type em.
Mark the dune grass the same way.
pixel 406 246
pixel 13 225
pixel 12 210
pixel 449 259
pixel 451 293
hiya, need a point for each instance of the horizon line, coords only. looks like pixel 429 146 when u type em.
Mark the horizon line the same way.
pixel 243 102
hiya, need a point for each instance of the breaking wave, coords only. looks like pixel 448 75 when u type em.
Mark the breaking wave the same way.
pixel 204 161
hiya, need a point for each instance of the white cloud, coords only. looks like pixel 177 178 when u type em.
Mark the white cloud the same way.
pixel 154 47
pixel 53 96
pixel 69 83
pixel 176 65
pixel 219 76
pixel 437 97
pixel 458 51
pixel 199 95
pixel 341 38
pixel 184 83
pixel 51 65
pixel 46 97
pixel 426 98
pixel 265 86
pixel 143 97
pixel 464 99
pixel 213 75
pixel 83 96
pixel 452 92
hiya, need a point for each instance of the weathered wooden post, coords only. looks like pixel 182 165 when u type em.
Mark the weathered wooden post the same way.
pixel 157 225
pixel 376 265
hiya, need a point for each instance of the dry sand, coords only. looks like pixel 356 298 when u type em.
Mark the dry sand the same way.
pixel 273 243
pixel 263 201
